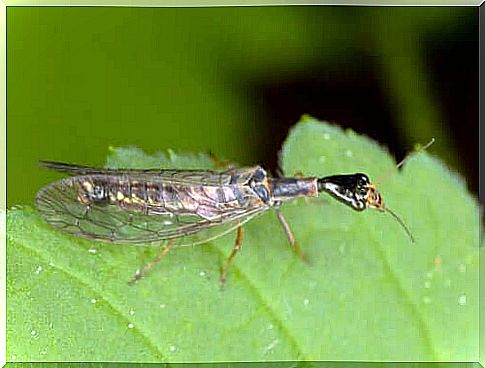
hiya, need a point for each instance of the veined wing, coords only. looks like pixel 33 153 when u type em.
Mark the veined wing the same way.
pixel 60 205
pixel 214 232
pixel 175 176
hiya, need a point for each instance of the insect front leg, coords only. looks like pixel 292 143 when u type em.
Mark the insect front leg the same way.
pixel 237 247
pixel 289 235
pixel 152 263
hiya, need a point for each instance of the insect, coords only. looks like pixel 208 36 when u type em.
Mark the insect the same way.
pixel 185 207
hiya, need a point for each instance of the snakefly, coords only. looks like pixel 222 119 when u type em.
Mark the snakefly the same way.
pixel 184 207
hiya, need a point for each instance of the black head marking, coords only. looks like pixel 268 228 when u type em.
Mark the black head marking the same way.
pixel 352 190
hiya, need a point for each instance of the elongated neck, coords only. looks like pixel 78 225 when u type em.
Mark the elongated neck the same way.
pixel 284 189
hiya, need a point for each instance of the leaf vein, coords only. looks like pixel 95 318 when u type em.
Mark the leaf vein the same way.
pixel 86 285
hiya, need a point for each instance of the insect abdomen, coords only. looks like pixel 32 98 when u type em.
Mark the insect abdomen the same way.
pixel 160 197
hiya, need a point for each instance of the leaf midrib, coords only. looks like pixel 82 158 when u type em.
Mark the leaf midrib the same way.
pixel 272 314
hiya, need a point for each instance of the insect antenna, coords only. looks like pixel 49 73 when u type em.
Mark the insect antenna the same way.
pixel 408 156
pixel 401 222
pixel 377 202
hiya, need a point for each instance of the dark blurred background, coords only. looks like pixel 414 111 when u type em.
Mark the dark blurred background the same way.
pixel 234 80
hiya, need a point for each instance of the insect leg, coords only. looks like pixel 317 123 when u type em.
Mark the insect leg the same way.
pixel 237 247
pixel 220 164
pixel 289 234
pixel 152 263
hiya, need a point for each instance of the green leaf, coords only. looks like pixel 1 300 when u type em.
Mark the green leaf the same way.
pixel 369 293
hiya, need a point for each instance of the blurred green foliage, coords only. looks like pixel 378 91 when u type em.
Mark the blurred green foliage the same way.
pixel 83 79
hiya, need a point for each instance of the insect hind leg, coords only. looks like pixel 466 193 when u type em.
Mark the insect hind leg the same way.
pixel 237 246
pixel 153 262
pixel 220 164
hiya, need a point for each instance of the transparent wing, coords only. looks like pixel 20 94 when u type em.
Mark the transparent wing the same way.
pixel 60 206
pixel 201 177
pixel 211 233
